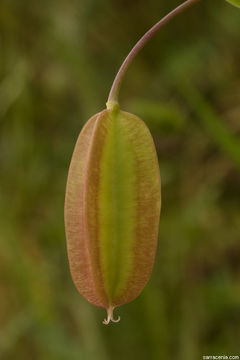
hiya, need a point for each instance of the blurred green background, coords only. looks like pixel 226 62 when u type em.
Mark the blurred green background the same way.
pixel 58 59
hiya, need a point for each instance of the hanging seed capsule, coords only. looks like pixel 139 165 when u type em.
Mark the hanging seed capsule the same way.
pixel 113 199
pixel 112 209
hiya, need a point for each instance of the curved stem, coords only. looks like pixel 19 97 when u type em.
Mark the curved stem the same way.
pixel 113 95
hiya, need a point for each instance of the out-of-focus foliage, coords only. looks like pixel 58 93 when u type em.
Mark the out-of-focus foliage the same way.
pixel 57 61
pixel 234 2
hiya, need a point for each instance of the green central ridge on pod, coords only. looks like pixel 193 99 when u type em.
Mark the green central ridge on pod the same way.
pixel 117 206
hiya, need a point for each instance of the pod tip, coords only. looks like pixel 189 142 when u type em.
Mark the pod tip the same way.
pixel 110 316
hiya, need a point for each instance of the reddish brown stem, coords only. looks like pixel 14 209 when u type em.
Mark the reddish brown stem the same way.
pixel 113 95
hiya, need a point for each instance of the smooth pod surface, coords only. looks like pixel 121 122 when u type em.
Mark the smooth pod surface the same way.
pixel 112 209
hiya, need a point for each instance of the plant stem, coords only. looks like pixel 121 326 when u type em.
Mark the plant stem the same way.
pixel 113 95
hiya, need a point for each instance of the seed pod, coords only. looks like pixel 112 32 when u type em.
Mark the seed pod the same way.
pixel 112 209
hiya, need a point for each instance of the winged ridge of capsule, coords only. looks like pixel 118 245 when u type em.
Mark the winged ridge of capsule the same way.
pixel 112 209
